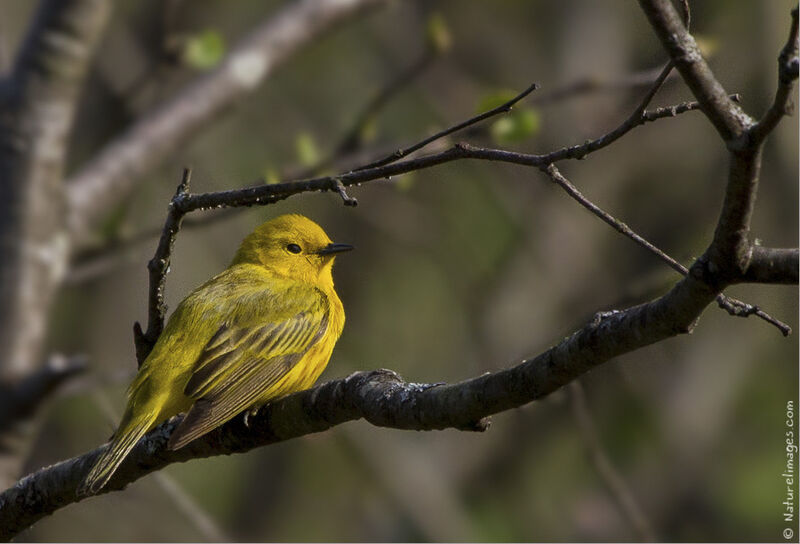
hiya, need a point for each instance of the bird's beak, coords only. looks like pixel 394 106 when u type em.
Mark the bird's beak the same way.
pixel 332 249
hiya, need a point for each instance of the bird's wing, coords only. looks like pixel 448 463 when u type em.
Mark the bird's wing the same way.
pixel 247 356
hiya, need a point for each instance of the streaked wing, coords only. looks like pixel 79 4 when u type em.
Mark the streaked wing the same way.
pixel 242 361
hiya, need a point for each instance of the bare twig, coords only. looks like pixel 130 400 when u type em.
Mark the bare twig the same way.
pixel 264 194
pixel 158 267
pixel 351 140
pixel 788 68
pixel 346 199
pixel 617 486
pixel 400 153
pixel 731 305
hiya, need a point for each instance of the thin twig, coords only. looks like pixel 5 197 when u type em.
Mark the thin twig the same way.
pixel 616 484
pixel 400 153
pixel 266 194
pixel 95 262
pixel 727 117
pixel 788 71
pixel 346 199
pixel 352 138
pixel 731 305
pixel 158 268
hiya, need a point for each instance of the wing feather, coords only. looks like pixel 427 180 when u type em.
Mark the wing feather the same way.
pixel 242 361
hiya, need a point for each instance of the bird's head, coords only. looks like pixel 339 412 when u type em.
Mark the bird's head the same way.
pixel 291 246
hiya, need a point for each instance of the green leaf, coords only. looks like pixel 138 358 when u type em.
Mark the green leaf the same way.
pixel 306 149
pixel 438 34
pixel 204 50
pixel 515 126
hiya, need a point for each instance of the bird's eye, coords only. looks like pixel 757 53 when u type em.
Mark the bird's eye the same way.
pixel 294 248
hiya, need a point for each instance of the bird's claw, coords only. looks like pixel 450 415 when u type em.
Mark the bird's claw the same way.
pixel 252 412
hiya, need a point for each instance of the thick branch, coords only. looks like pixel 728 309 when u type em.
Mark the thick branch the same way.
pixel 727 117
pixel 727 258
pixel 772 265
pixel 36 112
pixel 381 398
pixel 111 174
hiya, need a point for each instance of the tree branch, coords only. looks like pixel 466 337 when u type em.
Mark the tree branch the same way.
pixel 727 258
pixel 380 397
pixel 788 71
pixel 37 104
pixel 772 265
pixel 263 194
pixel 731 305
pixel 400 153
pixel 109 176
pixel 727 117
pixel 158 268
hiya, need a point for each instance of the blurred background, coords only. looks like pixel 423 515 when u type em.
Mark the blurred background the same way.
pixel 461 269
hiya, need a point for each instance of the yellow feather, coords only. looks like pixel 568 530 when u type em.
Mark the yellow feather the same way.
pixel 263 328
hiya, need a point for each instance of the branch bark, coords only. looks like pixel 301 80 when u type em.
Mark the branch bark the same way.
pixel 36 111
pixel 727 258
pixel 727 117
pixel 772 265
pixel 380 397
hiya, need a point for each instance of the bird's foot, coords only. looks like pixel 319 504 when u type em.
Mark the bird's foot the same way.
pixel 252 412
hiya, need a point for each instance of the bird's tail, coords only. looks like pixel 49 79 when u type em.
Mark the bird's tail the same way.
pixel 123 442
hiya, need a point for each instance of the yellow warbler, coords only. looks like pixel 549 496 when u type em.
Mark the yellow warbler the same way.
pixel 263 328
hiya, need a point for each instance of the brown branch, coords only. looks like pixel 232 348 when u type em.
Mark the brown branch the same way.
pixel 37 105
pixel 726 116
pixel 158 268
pixel 727 258
pixel 264 194
pixel 184 203
pixel 111 174
pixel 772 265
pixel 733 306
pixel 400 153
pixel 788 69
pixel 381 398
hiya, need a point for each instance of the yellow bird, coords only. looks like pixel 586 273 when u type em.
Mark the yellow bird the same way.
pixel 263 328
